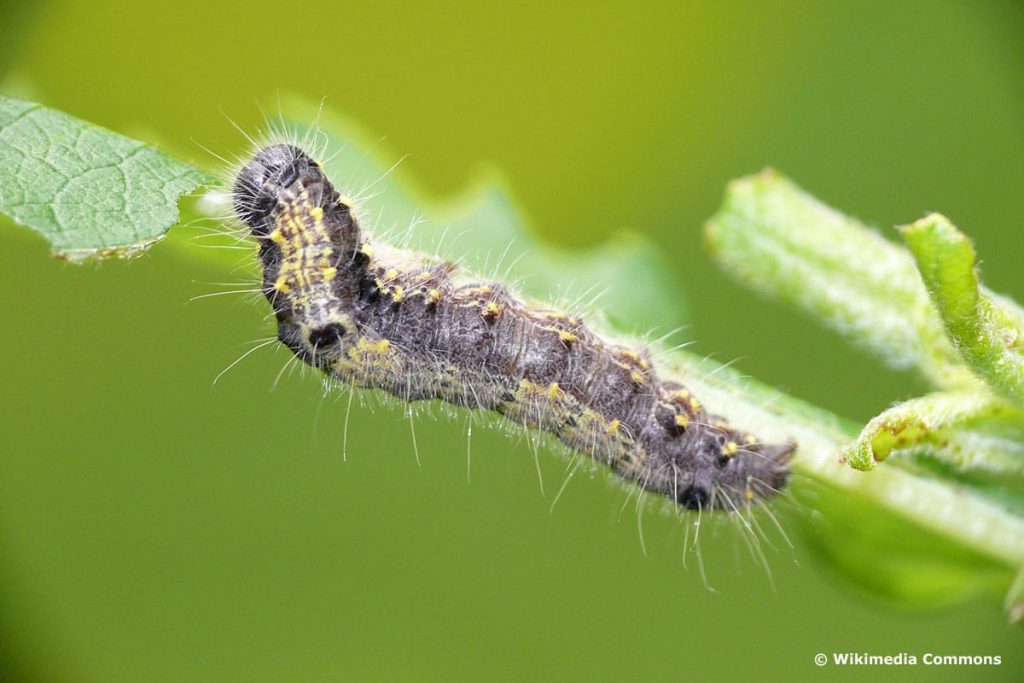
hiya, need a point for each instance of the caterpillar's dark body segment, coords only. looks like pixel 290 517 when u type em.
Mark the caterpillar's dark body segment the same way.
pixel 401 322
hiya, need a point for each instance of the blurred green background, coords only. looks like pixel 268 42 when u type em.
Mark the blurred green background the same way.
pixel 157 527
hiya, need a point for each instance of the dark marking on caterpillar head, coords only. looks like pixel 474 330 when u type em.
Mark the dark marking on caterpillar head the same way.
pixel 694 497
pixel 410 328
pixel 326 336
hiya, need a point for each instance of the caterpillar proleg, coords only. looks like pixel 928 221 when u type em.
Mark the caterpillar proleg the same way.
pixel 373 316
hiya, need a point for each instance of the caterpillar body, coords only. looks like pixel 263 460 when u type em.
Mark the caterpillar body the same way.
pixel 377 317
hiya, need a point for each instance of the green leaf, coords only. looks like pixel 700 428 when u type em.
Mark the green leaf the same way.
pixel 988 333
pixel 89 191
pixel 777 239
pixel 889 558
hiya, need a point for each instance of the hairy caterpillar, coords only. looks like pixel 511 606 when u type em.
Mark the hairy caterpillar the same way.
pixel 377 317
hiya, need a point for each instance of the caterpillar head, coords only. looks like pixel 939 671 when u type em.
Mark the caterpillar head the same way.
pixel 732 469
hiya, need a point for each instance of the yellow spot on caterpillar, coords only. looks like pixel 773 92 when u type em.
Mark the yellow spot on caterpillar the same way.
pixel 433 296
pixel 562 316
pixel 527 387
pixel 479 291
pixel 317 213
pixel 425 275
pixel 330 272
pixel 730 448
pixel 694 403
pixel 368 362
pixel 749 439
pixel 391 274
pixel 365 347
pixel 399 295
pixel 590 422
pixel 491 309
pixel 681 394
pixel 635 357
pixel 277 237
pixel 345 201
pixel 554 391
pixel 367 249
pixel 748 494
pixel 637 377
pixel 281 285
pixel 567 337
pixel 682 421
pixel 614 426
